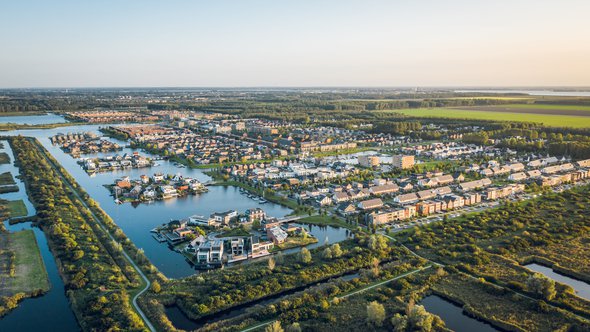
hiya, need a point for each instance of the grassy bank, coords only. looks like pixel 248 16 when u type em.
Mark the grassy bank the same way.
pixel 6 179
pixel 8 189
pixel 14 126
pixel 4 158
pixel 327 221
pixel 17 208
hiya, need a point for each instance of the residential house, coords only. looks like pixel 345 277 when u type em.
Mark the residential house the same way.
pixel 370 204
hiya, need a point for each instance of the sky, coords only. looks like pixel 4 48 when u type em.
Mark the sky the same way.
pixel 269 43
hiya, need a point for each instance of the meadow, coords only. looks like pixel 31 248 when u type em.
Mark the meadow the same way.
pixel 551 120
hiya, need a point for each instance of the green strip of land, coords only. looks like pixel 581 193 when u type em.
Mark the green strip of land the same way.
pixel 8 189
pixel 6 179
pixel 17 208
pixel 4 158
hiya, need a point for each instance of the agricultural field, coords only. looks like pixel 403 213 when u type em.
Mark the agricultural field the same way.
pixel 521 113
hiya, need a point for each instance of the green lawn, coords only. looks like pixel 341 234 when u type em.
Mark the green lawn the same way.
pixel 6 179
pixel 4 158
pixel 234 232
pixel 30 270
pixel 547 119
pixel 17 208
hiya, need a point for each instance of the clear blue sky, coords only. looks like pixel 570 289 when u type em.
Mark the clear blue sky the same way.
pixel 62 43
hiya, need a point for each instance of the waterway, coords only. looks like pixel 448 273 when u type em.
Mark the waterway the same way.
pixel 454 316
pixel 581 288
pixel 33 119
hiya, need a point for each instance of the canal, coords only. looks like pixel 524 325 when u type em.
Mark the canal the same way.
pixel 581 288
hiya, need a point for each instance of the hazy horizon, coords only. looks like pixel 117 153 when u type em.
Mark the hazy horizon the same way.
pixel 305 44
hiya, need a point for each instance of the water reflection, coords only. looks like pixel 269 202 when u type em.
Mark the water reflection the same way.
pixel 453 315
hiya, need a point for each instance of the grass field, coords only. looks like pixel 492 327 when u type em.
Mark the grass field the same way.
pixel 550 120
pixel 6 179
pixel 4 158
pixel 17 208
pixel 549 107
pixel 30 272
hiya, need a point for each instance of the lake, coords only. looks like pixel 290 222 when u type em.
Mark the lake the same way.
pixel 582 288
pixel 454 316
pixel 33 119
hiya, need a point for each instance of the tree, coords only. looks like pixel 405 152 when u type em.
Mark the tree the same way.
pixel 377 242
pixel 295 327
pixel 271 263
pixel 305 255
pixel 274 327
pixel 327 254
pixel 541 285
pixel 375 313
pixel 336 251
pixel 420 319
pixel 156 288
pixel 399 322
pixel 279 257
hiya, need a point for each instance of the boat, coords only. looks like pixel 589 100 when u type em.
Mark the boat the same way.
pixel 262 201
pixel 118 201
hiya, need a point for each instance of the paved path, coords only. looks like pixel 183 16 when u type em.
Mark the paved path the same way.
pixel 251 328
pixel 403 275
pixel 103 227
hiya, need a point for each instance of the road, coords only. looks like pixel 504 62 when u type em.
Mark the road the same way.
pixel 103 227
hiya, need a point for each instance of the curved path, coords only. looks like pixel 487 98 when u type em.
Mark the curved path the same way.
pixel 103 227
